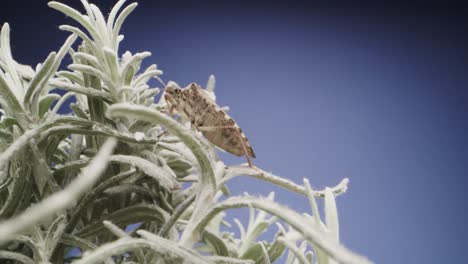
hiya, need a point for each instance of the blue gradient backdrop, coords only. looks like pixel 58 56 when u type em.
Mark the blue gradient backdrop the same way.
pixel 375 94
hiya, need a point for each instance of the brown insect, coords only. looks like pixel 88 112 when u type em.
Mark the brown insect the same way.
pixel 208 118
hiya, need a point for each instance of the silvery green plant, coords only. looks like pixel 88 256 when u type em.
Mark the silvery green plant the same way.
pixel 80 180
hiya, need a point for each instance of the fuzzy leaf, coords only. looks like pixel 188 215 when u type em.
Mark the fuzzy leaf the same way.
pixel 12 104
pixel 13 149
pixel 331 215
pixel 15 256
pixel 119 21
pixel 72 76
pixel 296 220
pixel 8 122
pixel 59 200
pixel 6 135
pixel 45 102
pixel 113 14
pixel 72 240
pixel 78 111
pixel 275 250
pixel 143 113
pixel 68 11
pixel 216 242
pixel 255 253
pixel 150 169
pixel 125 216
pixel 226 260
pixel 38 78
pixel 188 255
pixel 37 91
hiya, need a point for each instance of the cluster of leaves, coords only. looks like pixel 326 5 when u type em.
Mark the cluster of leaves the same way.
pixel 77 181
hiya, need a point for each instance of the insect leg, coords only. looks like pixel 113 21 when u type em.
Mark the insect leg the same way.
pixel 170 105
pixel 239 135
pixel 214 128
pixel 244 147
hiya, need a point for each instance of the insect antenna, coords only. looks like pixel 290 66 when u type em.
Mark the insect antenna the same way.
pixel 160 81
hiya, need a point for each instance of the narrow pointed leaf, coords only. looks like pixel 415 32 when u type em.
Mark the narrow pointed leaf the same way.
pixel 331 215
pixel 45 102
pixel 38 78
pixel 59 200
pixel 216 242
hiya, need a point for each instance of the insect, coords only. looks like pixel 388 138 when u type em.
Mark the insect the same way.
pixel 208 118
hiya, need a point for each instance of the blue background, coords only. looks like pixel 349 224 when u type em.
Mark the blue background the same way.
pixel 377 94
